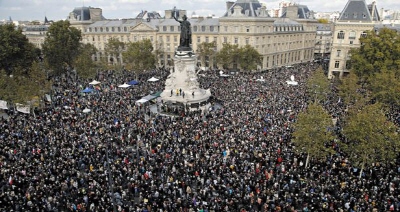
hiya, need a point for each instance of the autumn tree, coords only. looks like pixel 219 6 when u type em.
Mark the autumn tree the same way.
pixel 15 50
pixel 206 53
pixel 370 137
pixel 84 64
pixel 313 132
pixel 139 56
pixel 61 46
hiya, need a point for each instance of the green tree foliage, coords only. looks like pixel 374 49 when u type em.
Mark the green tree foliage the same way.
pixel 323 21
pixel 228 55
pixel 386 88
pixel 249 58
pixel 15 50
pixel 349 89
pixel 114 48
pixel 84 65
pixel 318 85
pixel 370 137
pixel 312 132
pixel 21 88
pixel 377 64
pixel 139 56
pixel 206 51
pixel 61 46
pixel 378 52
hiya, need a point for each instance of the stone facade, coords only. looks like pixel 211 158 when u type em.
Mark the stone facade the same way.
pixel 355 20
pixel 281 41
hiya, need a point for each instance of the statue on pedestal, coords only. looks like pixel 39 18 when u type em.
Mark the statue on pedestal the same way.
pixel 186 33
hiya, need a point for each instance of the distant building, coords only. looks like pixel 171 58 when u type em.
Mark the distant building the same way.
pixel 282 41
pixel 323 41
pixel 356 18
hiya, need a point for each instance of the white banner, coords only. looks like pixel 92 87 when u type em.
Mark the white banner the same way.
pixel 3 105
pixel 23 108
pixel 48 97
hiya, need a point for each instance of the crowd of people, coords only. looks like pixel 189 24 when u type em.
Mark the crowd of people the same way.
pixel 235 157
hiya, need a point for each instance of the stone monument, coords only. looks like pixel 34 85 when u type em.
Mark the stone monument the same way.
pixel 181 86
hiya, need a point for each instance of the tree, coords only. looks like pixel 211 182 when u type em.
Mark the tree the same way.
pixel 61 46
pixel 21 88
pixel 84 65
pixel 379 51
pixel 15 49
pixel 249 58
pixel 370 137
pixel 312 132
pixel 114 48
pixel 228 56
pixel 206 53
pixel 385 88
pixel 349 89
pixel 323 21
pixel 318 85
pixel 139 56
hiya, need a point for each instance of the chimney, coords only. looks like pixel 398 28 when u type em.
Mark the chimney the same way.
pixel 373 10
pixel 229 4
pixel 168 14
pixel 96 14
pixel 292 12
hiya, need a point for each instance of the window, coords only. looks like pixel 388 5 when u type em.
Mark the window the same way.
pixel 119 29
pixel 194 28
pixel 211 28
pixel 352 35
pixel 171 28
pixel 167 38
pixel 336 64
pixel 106 29
pixel 215 39
pixel 203 28
pixel 247 29
pixel 355 15
pixel 125 29
pixel 198 40
pixel 340 35
pixel 175 38
pixel 338 53
pixel 225 40
pixel 164 28
pixel 247 41
pixel 112 29
pixel 207 41
pixel 236 40
pixel 363 34
pixel 351 42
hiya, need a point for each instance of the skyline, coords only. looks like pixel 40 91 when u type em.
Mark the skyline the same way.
pixel 22 10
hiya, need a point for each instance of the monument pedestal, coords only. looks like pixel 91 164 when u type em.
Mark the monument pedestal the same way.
pixel 181 86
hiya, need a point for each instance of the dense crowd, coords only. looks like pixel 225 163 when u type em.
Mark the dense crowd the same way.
pixel 235 157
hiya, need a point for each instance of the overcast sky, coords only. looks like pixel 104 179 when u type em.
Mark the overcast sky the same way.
pixel 59 9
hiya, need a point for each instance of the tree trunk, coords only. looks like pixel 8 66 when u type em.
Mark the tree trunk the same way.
pixel 307 160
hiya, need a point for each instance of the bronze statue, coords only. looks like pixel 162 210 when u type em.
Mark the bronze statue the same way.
pixel 186 33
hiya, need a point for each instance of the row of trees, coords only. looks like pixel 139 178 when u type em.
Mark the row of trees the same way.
pixel 370 95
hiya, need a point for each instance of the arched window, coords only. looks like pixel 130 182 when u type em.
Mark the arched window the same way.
pixel 340 35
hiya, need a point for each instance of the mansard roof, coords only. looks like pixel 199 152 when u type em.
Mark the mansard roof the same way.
pixel 249 8
pixel 358 10
pixel 302 12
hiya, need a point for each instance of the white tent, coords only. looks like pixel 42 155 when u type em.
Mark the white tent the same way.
pixel 86 110
pixel 142 101
pixel 3 105
pixel 152 79
pixel 124 86
pixel 23 108
pixel 94 82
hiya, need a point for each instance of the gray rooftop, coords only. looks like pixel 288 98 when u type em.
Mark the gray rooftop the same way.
pixel 358 10
pixel 249 8
pixel 302 12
